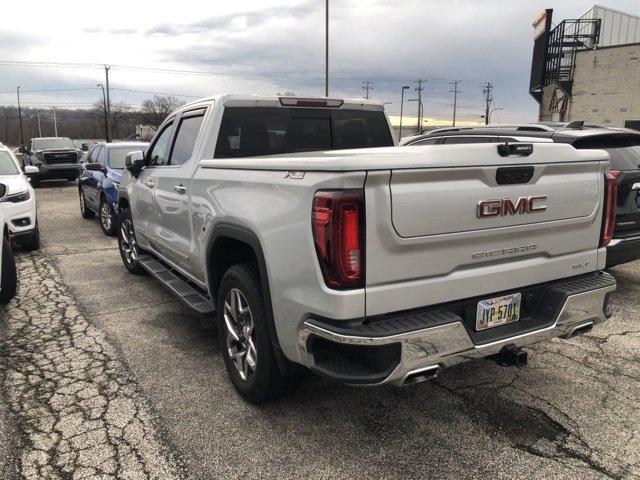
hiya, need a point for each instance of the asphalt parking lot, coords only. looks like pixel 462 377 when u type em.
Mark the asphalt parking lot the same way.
pixel 104 374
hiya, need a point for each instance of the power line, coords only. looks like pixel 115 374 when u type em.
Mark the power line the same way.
pixel 346 77
pixel 48 90
pixel 156 93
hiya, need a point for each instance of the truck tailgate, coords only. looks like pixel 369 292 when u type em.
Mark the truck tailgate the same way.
pixel 479 223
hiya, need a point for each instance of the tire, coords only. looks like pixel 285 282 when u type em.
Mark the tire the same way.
pixel 240 297
pixel 34 241
pixel 108 221
pixel 127 243
pixel 9 275
pixel 36 182
pixel 85 211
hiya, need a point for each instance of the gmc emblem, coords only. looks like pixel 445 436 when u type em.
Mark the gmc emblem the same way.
pixel 503 207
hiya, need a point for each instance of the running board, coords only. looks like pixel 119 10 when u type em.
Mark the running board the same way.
pixel 193 298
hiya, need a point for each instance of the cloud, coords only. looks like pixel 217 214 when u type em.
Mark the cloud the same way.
pixel 238 20
pixel 17 42
pixel 113 31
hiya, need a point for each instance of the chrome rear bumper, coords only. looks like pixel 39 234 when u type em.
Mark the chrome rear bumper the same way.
pixel 431 349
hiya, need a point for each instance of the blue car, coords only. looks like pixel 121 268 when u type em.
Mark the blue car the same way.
pixel 99 179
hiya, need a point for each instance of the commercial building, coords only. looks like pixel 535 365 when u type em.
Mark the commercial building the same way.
pixel 588 68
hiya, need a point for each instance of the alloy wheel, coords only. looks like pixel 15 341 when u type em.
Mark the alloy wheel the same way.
pixel 240 333
pixel 105 216
pixel 128 241
pixel 81 201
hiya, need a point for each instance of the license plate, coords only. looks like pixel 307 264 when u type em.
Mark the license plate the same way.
pixel 498 311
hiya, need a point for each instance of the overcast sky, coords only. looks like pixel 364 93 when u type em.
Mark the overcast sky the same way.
pixel 278 45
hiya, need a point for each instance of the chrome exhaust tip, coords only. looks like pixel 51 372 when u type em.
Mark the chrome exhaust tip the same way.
pixel 421 375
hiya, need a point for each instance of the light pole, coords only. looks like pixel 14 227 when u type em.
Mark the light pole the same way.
pixel 20 117
pixel 326 48
pixel 108 103
pixel 490 113
pixel 104 102
pixel 404 87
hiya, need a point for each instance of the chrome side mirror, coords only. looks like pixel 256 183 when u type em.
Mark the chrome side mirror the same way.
pixel 134 162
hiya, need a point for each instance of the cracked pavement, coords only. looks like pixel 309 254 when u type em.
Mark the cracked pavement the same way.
pixel 105 375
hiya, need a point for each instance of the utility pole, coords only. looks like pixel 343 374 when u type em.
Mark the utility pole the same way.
pixel 366 87
pixel 404 87
pixel 326 50
pixel 55 123
pixel 39 128
pixel 20 117
pixel 455 92
pixel 488 98
pixel 419 89
pixel 108 105
pixel 104 104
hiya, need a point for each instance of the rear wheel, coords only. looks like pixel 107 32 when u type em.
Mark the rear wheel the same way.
pixel 107 220
pixel 8 275
pixel 244 337
pixel 85 211
pixel 127 243
pixel 35 182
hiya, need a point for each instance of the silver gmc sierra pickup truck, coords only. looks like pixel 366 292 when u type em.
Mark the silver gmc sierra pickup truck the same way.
pixel 316 242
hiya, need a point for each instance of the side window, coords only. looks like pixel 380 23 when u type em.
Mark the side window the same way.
pixel 428 141
pixel 159 152
pixel 102 157
pixel 90 154
pixel 93 155
pixel 186 137
pixel 459 140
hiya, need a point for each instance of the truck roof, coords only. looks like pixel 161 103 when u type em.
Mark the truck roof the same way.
pixel 247 100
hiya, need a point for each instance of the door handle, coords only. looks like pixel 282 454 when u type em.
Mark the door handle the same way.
pixel 180 189
pixel 149 183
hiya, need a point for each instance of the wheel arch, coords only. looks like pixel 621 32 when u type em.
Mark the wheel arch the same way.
pixel 222 242
pixel 123 202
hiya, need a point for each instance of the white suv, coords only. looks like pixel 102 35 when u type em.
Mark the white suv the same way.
pixel 18 201
pixel 8 277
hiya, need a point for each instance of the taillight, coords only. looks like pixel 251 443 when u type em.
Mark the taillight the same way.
pixel 611 194
pixel 338 232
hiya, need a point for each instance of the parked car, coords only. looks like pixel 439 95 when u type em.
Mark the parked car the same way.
pixel 623 145
pixel 18 201
pixel 366 266
pixel 99 179
pixel 8 273
pixel 55 157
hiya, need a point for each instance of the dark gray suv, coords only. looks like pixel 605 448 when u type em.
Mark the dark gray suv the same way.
pixel 622 144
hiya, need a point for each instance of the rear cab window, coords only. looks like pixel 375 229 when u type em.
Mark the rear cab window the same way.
pixel 248 132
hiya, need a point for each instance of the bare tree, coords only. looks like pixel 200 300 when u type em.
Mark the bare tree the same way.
pixel 122 118
pixel 156 109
